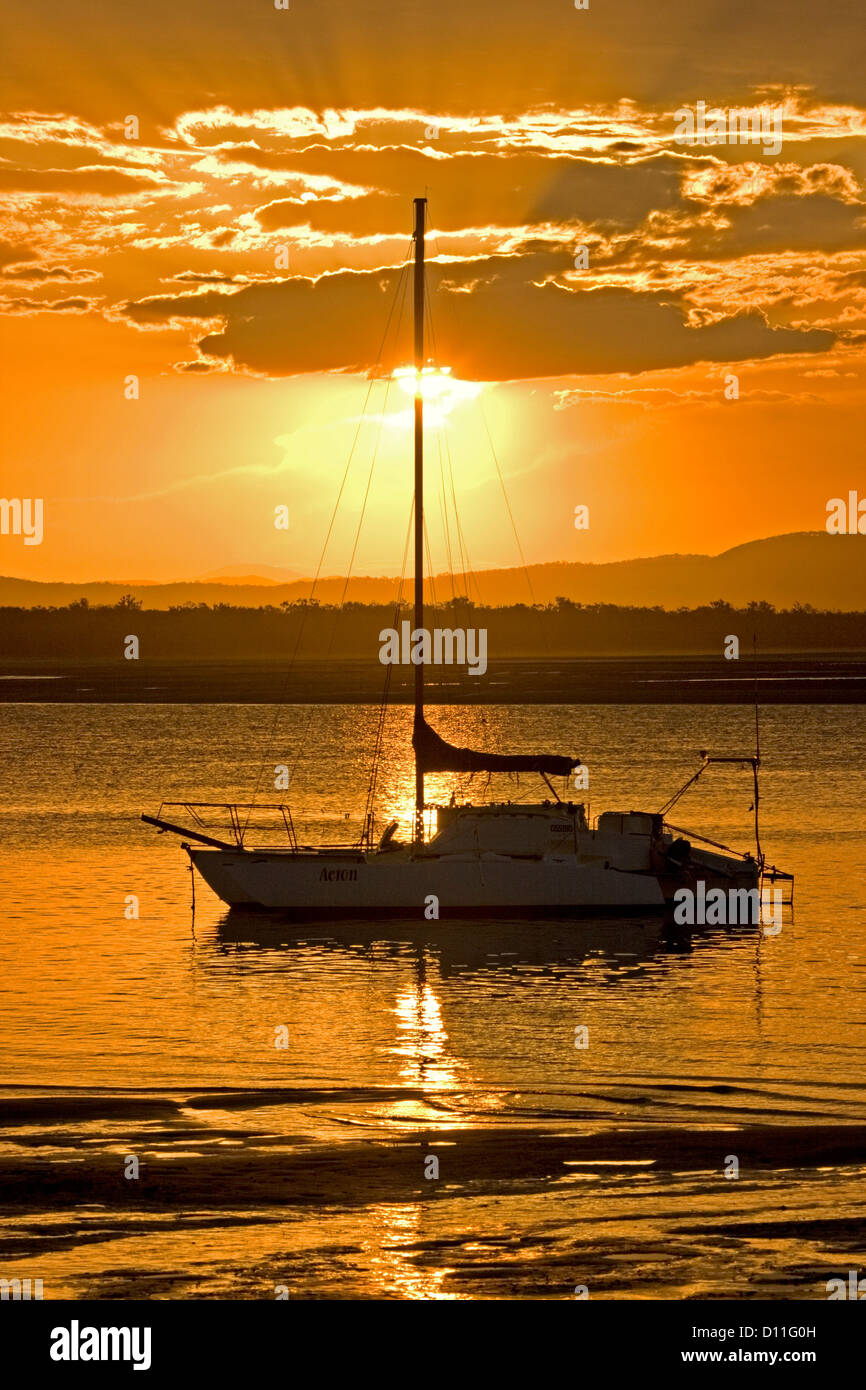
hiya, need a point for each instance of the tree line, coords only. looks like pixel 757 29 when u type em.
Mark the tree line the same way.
pixel 317 631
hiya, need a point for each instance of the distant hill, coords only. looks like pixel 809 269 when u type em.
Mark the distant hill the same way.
pixel 828 572
pixel 249 574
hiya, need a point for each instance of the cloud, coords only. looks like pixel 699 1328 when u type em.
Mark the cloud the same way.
pixel 666 398
pixel 11 253
pixel 743 184
pixel 694 254
pixel 222 125
pixel 207 277
pixel 201 366
pixel 40 274
pixel 775 225
pixel 104 180
pixel 577 190
pixel 47 306
pixel 517 320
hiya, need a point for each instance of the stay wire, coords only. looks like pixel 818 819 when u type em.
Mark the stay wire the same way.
pixel 341 608
pixel 402 279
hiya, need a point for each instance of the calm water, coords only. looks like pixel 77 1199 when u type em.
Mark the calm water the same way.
pixel 461 1042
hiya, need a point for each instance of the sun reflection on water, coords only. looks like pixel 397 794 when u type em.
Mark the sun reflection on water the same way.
pixel 422 1040
pixel 395 1244
pixel 396 1233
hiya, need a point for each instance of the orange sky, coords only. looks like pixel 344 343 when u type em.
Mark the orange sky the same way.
pixel 534 130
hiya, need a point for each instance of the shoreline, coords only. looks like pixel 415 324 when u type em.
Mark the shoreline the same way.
pixel 226 1206
pixel 180 1135
pixel 782 679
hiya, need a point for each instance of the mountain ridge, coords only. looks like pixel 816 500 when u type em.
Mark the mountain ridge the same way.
pixel 806 567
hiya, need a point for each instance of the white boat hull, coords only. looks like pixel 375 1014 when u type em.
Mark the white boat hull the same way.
pixel 355 886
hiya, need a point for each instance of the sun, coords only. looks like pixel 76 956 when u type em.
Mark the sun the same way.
pixel 440 391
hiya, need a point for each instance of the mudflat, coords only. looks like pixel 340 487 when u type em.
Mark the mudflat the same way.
pixel 783 679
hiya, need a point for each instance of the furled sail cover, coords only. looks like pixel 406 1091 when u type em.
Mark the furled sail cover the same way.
pixel 435 755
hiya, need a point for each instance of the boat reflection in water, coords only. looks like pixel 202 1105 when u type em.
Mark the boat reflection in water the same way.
pixel 470 945
pixel 468 1031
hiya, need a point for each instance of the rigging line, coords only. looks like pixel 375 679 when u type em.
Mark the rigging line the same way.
pixel 463 549
pixel 383 708
pixel 367 828
pixel 402 281
pixel 755 674
pixel 402 284
pixel 507 502
pixel 458 530
pixel 468 573
pixel 428 300
pixel 445 542
pixel 351 563
pixel 430 565
pixel 338 615
pixel 340 611
pixel 431 326
pixel 443 512
pixel 388 383
pixel 428 314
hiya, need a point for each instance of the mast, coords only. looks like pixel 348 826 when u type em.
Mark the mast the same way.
pixel 418 308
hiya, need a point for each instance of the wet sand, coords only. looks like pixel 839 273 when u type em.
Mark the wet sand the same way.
pixel 807 678
pixel 632 1210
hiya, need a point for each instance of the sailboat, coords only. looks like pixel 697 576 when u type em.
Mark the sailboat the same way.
pixel 504 860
